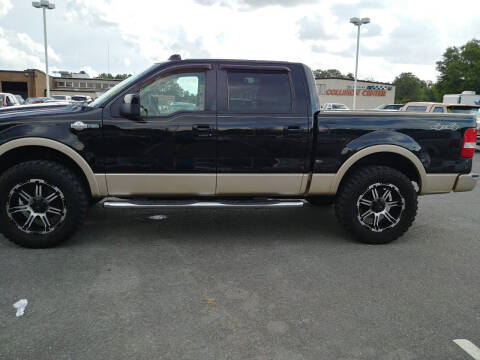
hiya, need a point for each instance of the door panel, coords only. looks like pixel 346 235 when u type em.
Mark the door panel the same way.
pixel 172 150
pixel 262 146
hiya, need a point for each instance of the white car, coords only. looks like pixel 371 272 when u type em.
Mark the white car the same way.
pixel 82 99
pixel 7 99
pixel 334 106
pixel 62 97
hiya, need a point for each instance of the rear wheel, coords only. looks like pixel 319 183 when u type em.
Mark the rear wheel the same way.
pixel 377 204
pixel 41 203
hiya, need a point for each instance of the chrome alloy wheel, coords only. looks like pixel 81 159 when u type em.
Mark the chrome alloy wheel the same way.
pixel 380 207
pixel 36 206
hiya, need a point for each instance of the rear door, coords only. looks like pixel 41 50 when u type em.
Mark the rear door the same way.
pixel 262 129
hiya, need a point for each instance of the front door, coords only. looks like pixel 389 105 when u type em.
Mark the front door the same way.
pixel 263 132
pixel 171 150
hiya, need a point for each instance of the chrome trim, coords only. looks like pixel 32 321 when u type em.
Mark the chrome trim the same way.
pixel 78 126
pixel 152 204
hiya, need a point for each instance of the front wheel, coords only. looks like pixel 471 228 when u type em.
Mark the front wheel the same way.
pixel 41 203
pixel 377 204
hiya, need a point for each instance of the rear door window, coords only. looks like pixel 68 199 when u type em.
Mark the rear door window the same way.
pixel 438 109
pixel 259 92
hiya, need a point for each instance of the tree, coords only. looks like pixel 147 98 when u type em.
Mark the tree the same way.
pixel 331 73
pixel 111 77
pixel 460 69
pixel 409 87
pixel 105 76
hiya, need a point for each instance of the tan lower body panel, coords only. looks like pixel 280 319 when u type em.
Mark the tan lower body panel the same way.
pixel 259 184
pixel 160 184
pixel 438 183
pixel 102 184
pixel 242 184
pixel 466 182
pixel 322 184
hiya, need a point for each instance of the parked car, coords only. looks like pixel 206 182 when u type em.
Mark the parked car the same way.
pixel 20 99
pixel 61 97
pixel 389 107
pixel 467 109
pixel 255 139
pixel 37 100
pixel 7 99
pixel 82 99
pixel 424 107
pixel 334 106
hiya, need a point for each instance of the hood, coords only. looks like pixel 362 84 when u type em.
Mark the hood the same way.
pixel 38 110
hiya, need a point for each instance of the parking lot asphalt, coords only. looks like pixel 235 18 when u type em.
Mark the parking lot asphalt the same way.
pixel 284 284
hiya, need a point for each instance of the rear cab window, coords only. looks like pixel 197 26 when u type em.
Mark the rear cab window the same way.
pixel 414 108
pixel 259 91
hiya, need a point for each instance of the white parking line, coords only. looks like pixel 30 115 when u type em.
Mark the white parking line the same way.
pixel 469 348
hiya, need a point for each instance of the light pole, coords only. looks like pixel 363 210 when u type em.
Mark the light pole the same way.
pixel 357 22
pixel 44 5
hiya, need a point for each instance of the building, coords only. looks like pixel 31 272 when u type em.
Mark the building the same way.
pixel 27 83
pixel 370 94
pixel 79 84
pixel 31 83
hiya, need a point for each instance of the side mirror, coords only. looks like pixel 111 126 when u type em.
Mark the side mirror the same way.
pixel 130 108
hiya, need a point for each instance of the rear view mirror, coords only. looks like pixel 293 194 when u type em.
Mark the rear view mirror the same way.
pixel 130 108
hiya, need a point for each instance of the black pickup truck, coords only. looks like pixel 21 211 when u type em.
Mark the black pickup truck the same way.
pixel 223 133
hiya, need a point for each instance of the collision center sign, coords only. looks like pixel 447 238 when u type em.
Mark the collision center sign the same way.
pixel 349 92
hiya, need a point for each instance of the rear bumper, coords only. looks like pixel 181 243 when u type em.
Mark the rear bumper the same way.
pixel 466 182
pixel 445 183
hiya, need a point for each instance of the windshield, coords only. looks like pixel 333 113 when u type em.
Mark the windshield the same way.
pixel 106 96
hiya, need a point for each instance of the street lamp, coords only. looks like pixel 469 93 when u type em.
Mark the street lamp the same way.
pixel 357 22
pixel 45 4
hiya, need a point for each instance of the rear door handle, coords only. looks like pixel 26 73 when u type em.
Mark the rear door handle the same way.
pixel 202 130
pixel 293 128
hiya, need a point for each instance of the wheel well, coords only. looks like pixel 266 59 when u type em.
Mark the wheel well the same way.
pixel 28 153
pixel 390 159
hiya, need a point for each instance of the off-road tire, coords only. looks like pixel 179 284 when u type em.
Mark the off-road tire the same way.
pixel 75 199
pixel 346 204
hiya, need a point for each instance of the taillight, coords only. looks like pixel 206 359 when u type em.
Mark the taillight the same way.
pixel 469 143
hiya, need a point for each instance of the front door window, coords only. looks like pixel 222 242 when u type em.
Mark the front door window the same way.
pixel 184 92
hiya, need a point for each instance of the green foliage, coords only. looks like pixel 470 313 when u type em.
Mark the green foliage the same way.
pixel 331 73
pixel 460 69
pixel 116 77
pixel 409 87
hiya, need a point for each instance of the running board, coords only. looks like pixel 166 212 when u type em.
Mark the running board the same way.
pixel 164 204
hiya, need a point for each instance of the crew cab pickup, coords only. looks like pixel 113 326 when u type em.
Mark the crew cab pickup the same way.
pixel 223 133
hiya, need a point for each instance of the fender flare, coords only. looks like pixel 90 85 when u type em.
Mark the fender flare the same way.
pixel 374 150
pixel 60 147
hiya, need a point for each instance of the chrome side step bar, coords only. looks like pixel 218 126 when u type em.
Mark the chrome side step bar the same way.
pixel 164 204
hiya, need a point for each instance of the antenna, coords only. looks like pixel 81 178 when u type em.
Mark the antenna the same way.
pixel 108 57
pixel 175 57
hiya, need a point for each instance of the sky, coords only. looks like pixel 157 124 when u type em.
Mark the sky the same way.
pixel 403 36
